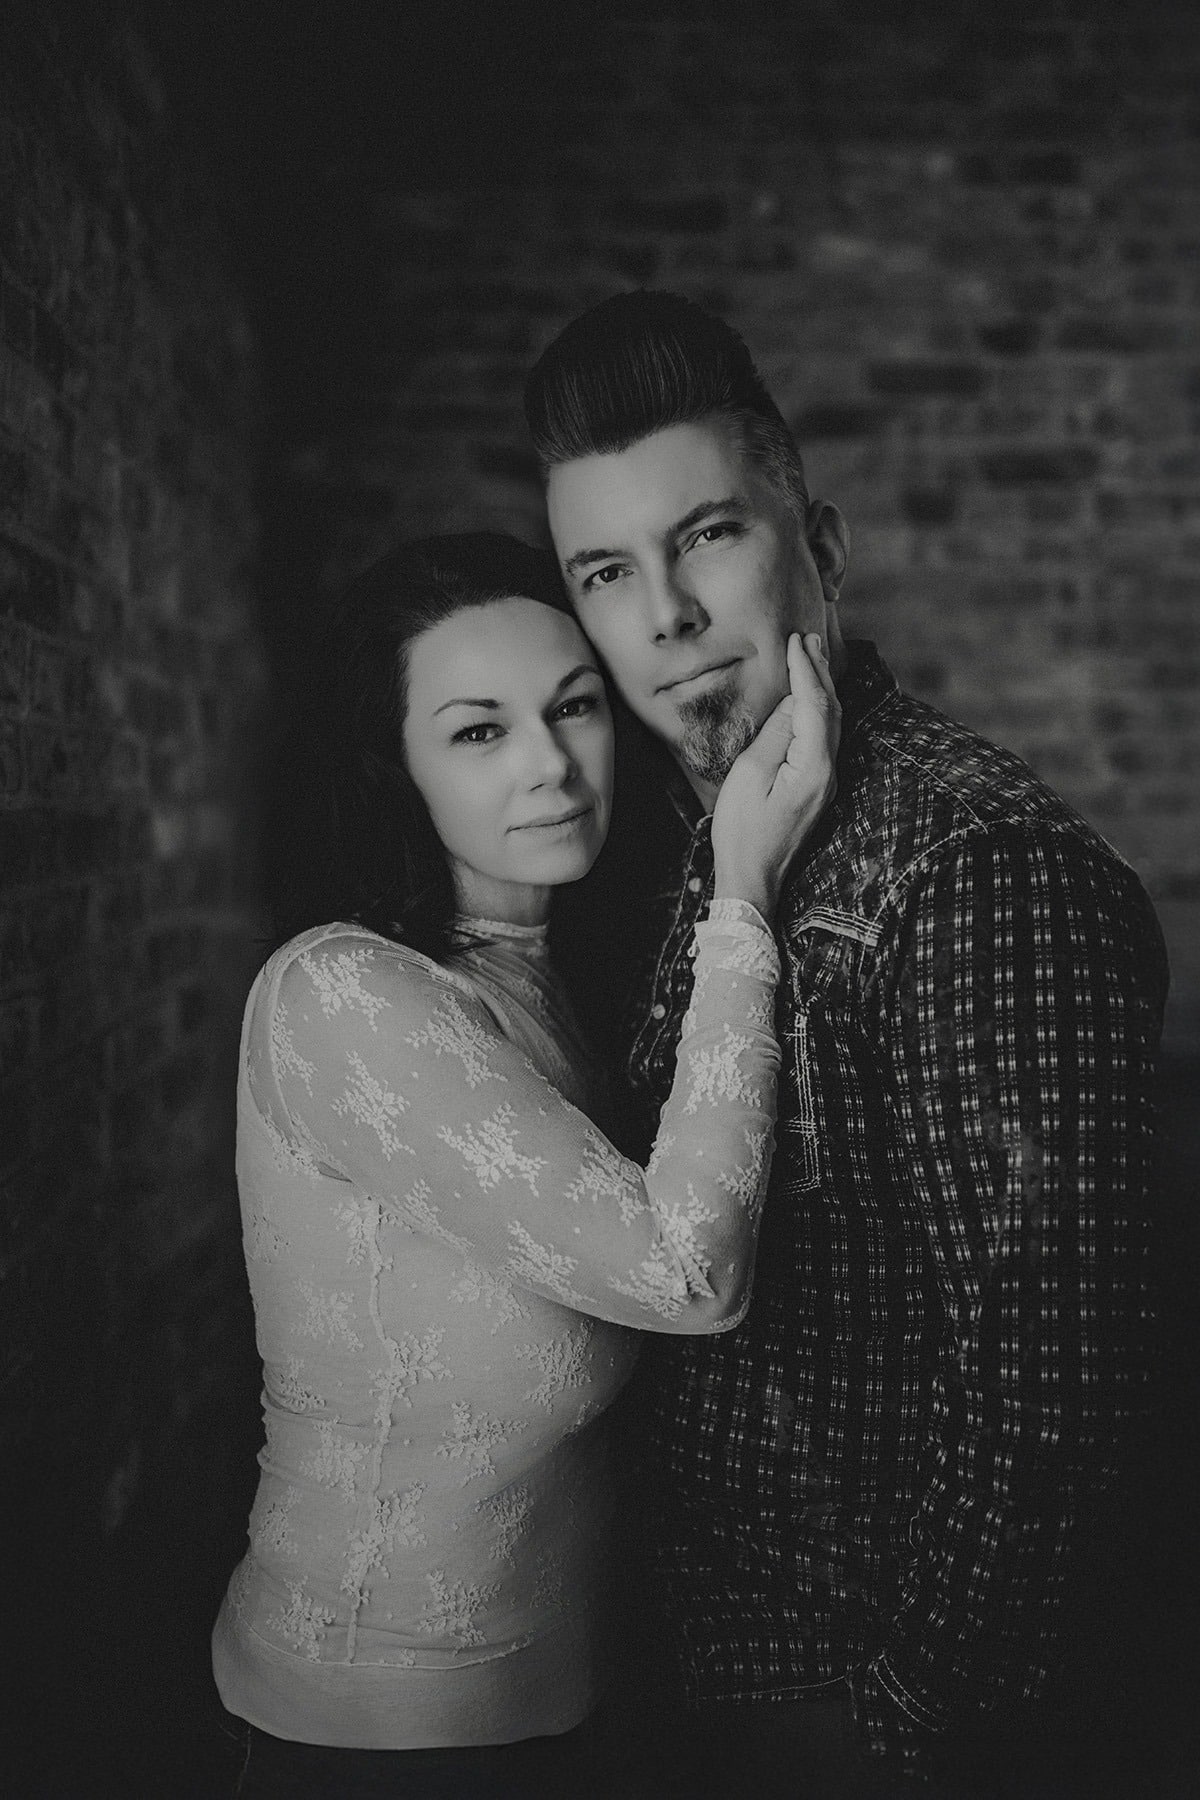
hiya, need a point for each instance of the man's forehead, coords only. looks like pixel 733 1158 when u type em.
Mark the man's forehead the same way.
pixel 652 484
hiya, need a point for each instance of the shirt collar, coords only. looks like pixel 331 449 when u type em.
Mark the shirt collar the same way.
pixel 864 684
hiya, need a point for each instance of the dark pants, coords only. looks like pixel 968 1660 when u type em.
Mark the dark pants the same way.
pixel 770 1750
pixel 810 1750
pixel 546 1768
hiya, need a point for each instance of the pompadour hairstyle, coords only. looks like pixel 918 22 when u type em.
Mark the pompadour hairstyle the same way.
pixel 642 361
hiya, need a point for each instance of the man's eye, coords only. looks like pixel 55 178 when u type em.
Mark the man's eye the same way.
pixel 712 534
pixel 476 734
pixel 604 577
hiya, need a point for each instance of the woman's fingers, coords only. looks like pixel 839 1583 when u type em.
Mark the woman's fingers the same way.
pixel 810 679
pixel 818 662
pixel 806 721
pixel 780 784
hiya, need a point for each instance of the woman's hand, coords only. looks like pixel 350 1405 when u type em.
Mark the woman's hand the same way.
pixel 780 785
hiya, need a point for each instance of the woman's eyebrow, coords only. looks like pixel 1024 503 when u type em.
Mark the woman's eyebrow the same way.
pixel 494 705
pixel 584 668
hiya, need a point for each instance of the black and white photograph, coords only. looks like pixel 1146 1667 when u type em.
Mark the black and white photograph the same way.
pixel 600 899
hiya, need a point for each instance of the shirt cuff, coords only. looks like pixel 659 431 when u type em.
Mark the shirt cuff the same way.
pixel 736 912
pixel 744 942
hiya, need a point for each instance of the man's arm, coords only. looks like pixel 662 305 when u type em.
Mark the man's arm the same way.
pixel 1021 1009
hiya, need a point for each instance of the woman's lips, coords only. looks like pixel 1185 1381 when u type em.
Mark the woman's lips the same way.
pixel 562 822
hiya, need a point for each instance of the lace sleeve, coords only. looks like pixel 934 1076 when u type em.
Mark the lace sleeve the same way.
pixel 381 1070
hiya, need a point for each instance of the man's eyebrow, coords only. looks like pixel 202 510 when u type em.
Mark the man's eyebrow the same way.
pixel 494 705
pixel 732 503
pixel 582 559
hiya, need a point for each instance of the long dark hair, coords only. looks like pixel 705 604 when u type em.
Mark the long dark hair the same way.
pixel 352 837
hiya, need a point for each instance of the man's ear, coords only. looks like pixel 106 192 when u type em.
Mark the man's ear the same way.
pixel 829 541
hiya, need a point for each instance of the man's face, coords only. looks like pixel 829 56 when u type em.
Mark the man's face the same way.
pixel 688 571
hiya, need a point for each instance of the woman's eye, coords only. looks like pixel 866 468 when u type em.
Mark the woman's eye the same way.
pixel 477 734
pixel 578 706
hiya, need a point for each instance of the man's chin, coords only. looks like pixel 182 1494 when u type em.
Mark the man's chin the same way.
pixel 713 740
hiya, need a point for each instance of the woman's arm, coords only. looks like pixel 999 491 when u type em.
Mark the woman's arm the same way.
pixel 384 1072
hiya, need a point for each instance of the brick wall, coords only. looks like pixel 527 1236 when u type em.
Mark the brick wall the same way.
pixel 968 258
pixel 129 672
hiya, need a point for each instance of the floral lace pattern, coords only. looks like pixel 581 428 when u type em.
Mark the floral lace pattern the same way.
pixel 446 1257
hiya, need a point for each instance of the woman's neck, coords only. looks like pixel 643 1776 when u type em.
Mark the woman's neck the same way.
pixel 504 902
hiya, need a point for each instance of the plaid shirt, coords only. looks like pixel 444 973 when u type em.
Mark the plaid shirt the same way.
pixel 879 1474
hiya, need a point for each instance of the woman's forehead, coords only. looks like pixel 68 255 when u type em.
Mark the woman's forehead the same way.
pixel 510 648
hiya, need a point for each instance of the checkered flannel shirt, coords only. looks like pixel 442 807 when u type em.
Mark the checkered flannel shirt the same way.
pixel 879 1474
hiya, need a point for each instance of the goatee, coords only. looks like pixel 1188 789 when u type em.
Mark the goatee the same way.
pixel 716 729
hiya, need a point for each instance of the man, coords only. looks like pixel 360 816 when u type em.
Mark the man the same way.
pixel 871 1491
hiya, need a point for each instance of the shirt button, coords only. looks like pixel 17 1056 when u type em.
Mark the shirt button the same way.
pixel 659 1011
pixel 695 884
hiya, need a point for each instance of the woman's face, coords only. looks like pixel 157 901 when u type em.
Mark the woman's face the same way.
pixel 509 739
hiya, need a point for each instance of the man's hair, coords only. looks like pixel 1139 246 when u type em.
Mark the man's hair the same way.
pixel 642 361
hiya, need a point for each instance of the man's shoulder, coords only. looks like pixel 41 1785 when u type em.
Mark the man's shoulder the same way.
pixel 913 759
pixel 916 789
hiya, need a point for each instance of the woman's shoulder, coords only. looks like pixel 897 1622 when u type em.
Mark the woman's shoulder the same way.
pixel 346 965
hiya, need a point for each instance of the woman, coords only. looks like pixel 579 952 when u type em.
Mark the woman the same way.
pixel 450 1264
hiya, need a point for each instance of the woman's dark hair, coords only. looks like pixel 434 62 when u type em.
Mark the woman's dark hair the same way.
pixel 642 361
pixel 352 836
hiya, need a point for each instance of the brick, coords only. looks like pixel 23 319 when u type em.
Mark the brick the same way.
pixel 12 758
pixel 18 1032
pixel 1121 337
pixel 14 662
pixel 195 1006
pixel 837 421
pixel 134 1046
pixel 57 923
pixel 1011 337
pixel 919 380
pixel 60 681
pixel 1057 168
pixel 637 264
pixel 30 587
pixel 676 215
pixel 1051 463
pixel 929 506
pixel 509 462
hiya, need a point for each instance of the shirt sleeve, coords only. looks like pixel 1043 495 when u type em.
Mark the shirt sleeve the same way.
pixel 1021 1016
pixel 386 1072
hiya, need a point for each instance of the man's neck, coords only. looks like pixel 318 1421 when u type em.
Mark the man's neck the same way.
pixel 705 791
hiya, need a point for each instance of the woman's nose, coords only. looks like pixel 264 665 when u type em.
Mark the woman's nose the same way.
pixel 551 761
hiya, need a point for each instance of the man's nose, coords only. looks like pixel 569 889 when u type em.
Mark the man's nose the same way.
pixel 673 607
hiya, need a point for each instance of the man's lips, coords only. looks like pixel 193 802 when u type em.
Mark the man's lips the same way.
pixel 695 674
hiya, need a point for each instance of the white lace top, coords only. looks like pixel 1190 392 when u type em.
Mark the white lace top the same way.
pixel 449 1267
